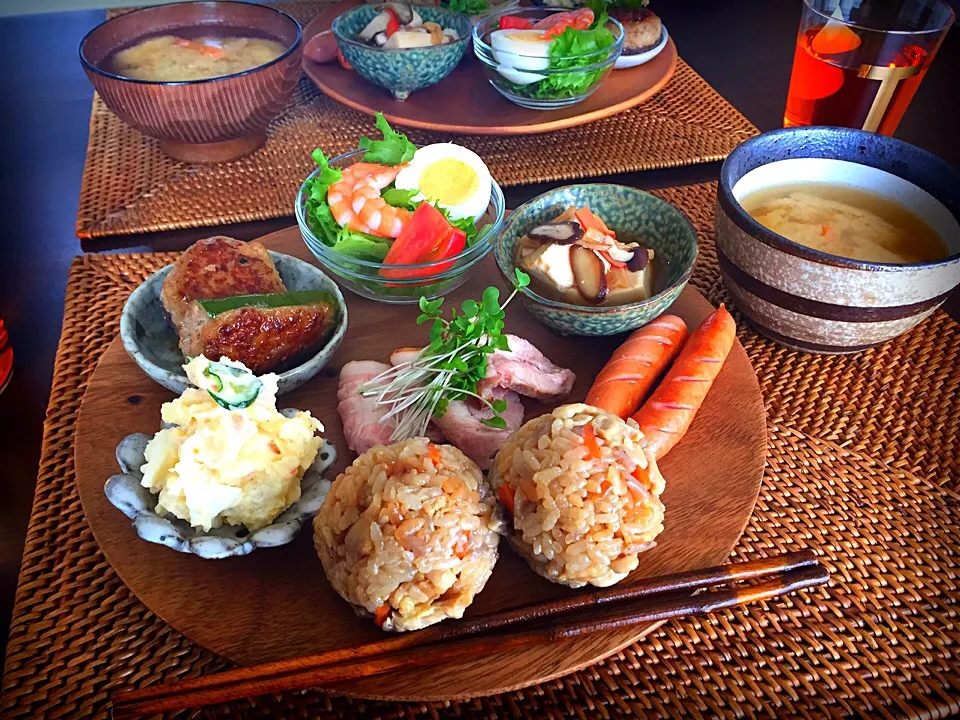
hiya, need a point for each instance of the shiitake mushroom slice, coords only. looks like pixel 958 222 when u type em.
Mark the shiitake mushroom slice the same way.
pixel 589 274
pixel 558 233
pixel 641 256
pixel 403 10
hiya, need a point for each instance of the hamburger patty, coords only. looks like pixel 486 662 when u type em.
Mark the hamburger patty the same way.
pixel 263 339
pixel 217 267
pixel 641 29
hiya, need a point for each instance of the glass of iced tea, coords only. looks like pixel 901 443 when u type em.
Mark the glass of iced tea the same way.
pixel 859 62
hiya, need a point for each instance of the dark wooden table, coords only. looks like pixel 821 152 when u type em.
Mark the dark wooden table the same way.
pixel 744 49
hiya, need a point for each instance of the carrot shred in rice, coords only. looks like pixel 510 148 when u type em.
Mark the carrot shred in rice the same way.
pixel 507 495
pixel 590 441
pixel 433 453
pixel 463 542
pixel 380 616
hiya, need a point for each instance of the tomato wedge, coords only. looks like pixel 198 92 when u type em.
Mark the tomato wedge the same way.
pixel 512 22
pixel 427 237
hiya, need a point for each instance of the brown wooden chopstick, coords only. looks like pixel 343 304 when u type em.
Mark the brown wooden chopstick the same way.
pixel 649 600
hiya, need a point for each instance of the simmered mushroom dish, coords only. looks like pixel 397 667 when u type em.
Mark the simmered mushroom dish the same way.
pixel 398 25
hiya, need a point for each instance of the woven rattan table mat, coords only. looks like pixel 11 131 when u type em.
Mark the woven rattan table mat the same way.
pixel 130 186
pixel 862 467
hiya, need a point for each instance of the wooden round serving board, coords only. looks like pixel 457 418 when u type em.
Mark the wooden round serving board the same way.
pixel 275 603
pixel 465 102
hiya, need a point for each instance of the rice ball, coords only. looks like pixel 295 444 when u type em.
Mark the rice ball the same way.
pixel 408 534
pixel 582 494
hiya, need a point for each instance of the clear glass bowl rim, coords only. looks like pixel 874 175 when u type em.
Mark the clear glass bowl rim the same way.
pixel 482 245
pixel 478 41
pixel 951 17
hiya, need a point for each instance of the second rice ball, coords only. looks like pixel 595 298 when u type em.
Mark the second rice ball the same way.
pixel 582 494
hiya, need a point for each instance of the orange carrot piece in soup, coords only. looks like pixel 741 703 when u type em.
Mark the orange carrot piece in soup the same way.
pixel 634 367
pixel 665 418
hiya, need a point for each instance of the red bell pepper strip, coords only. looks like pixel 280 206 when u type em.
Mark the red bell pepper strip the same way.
pixel 393 24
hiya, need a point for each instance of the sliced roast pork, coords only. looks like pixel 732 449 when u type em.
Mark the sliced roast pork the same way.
pixel 462 423
pixel 363 427
pixel 527 371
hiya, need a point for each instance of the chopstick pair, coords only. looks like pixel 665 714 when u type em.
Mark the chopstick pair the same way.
pixel 648 600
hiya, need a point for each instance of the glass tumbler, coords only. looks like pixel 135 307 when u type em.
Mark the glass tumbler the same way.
pixel 858 63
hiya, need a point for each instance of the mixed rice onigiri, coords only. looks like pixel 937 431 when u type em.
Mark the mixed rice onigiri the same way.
pixel 583 495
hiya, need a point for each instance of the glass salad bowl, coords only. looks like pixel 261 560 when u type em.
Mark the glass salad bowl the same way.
pixel 406 283
pixel 544 75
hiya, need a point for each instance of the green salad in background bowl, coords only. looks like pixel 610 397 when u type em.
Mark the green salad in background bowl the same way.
pixel 394 221
pixel 547 59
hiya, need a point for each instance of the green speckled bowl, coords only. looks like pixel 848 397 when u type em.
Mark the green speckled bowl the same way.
pixel 635 216
pixel 402 71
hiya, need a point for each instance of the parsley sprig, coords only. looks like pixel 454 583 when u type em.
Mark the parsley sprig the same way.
pixel 449 368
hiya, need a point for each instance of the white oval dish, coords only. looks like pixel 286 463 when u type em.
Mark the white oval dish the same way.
pixel 629 61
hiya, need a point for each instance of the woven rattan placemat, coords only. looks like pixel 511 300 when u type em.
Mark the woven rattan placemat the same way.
pixel 129 186
pixel 862 467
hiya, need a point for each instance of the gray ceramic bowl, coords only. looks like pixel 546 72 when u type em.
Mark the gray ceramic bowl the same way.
pixel 812 301
pixel 149 338
pixel 125 492
pixel 633 215
pixel 401 71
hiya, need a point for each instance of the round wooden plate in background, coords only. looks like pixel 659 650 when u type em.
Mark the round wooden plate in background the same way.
pixel 465 102
pixel 275 603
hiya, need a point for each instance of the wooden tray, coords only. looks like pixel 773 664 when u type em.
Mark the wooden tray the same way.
pixel 276 604
pixel 465 102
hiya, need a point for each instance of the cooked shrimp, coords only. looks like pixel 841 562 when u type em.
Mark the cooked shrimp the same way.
pixel 355 200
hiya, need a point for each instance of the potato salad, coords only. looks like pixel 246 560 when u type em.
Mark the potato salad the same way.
pixel 230 456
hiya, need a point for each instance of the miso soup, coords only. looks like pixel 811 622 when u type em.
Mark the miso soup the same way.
pixel 846 221
pixel 193 54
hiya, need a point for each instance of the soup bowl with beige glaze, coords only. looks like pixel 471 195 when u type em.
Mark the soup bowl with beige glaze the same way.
pixel 210 120
pixel 814 301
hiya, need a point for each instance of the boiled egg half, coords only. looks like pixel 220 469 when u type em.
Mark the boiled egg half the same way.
pixel 449 176
pixel 517 50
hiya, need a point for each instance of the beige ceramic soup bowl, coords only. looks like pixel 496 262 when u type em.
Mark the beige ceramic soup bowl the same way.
pixel 812 301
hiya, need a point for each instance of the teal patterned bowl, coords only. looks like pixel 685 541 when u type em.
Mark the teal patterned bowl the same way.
pixel 401 71
pixel 635 216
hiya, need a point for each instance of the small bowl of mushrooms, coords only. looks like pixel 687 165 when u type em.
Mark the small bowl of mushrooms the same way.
pixel 402 47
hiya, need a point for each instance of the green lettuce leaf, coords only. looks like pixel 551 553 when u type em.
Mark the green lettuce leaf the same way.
pixel 394 149
pixel 319 218
pixel 469 7
pixel 400 198
pixel 361 246
pixel 572 49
